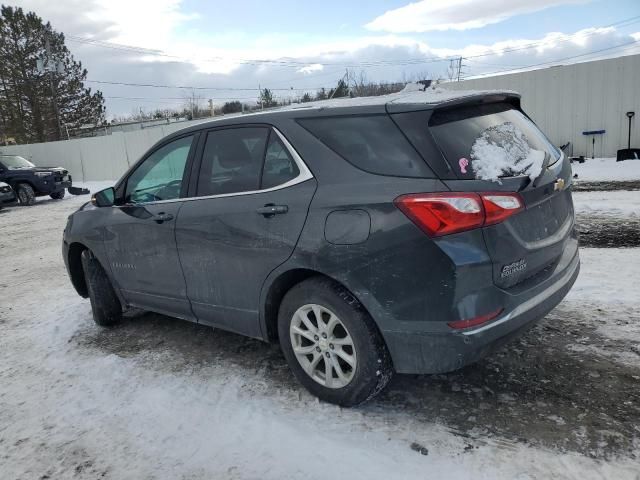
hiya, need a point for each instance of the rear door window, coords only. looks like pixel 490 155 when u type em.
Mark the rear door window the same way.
pixel 232 161
pixel 279 166
pixel 372 143
pixel 491 141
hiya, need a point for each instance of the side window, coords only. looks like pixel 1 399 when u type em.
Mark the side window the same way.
pixel 159 177
pixel 232 161
pixel 279 166
pixel 369 142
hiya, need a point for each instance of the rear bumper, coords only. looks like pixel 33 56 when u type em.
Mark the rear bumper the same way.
pixel 439 352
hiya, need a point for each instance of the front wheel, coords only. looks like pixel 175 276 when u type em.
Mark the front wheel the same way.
pixel 105 304
pixel 58 195
pixel 26 194
pixel 331 343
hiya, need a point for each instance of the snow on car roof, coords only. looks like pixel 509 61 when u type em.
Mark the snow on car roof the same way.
pixel 411 94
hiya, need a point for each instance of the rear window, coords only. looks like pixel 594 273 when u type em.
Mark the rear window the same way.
pixel 491 141
pixel 369 142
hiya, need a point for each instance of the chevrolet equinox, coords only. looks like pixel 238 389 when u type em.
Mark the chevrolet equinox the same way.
pixel 410 233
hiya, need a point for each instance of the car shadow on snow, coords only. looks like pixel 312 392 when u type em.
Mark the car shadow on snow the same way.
pixel 551 388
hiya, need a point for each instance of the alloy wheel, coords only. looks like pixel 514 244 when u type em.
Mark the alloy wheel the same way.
pixel 323 346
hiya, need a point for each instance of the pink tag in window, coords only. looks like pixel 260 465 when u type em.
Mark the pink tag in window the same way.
pixel 463 163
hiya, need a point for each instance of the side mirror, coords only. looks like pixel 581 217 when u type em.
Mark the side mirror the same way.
pixel 104 198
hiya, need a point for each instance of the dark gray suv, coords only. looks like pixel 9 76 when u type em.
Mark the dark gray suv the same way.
pixel 411 233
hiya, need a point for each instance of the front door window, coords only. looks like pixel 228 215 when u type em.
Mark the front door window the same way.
pixel 159 177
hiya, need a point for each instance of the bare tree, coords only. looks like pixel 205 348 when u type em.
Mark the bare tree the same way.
pixel 194 106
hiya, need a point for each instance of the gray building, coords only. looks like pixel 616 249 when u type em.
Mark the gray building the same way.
pixel 570 99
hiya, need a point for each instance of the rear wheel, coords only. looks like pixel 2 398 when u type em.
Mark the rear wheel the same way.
pixel 58 195
pixel 331 343
pixel 105 304
pixel 26 195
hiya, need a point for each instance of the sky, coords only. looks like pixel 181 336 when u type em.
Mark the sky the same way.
pixel 227 50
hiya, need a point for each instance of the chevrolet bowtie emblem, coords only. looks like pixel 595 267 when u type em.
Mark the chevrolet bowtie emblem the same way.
pixel 559 185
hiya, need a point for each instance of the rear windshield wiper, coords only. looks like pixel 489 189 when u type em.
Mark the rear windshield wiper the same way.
pixel 545 164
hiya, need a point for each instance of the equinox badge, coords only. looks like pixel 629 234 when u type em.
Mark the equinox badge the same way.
pixel 512 268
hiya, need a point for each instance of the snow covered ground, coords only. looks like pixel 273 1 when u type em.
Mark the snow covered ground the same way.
pixel 159 398
pixel 621 203
pixel 606 169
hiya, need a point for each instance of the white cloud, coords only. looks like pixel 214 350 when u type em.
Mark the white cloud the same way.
pixel 316 67
pixel 427 15
pixel 143 23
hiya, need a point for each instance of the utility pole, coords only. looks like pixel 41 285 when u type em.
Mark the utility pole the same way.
pixel 211 107
pixel 346 81
pixel 50 65
pixel 460 65
pixel 261 104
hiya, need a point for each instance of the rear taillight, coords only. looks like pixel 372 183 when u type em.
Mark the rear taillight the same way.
pixel 445 213
pixel 499 207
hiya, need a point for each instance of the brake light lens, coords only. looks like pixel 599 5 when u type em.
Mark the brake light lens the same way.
pixel 498 208
pixel 439 214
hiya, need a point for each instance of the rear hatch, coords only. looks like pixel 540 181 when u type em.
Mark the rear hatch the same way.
pixel 495 147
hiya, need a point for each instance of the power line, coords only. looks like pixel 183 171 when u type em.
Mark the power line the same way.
pixel 184 87
pixel 279 62
pixel 560 59
pixel 181 99
pixel 237 89
pixel 364 63
pixel 628 21
pixel 284 62
pixel 173 99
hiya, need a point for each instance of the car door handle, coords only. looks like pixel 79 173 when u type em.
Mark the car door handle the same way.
pixel 269 210
pixel 162 217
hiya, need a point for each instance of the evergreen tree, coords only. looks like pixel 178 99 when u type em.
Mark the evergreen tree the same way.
pixel 232 107
pixel 341 90
pixel 41 104
pixel 267 99
pixel 321 94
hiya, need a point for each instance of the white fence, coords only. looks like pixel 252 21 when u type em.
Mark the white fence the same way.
pixel 96 158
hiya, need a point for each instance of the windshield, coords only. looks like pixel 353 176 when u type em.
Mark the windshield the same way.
pixel 14 162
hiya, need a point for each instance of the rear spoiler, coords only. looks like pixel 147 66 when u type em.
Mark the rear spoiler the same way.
pixel 480 98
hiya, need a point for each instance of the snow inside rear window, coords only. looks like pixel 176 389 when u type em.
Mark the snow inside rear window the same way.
pixel 504 151
pixel 491 141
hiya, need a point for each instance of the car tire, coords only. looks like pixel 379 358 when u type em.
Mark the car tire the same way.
pixel 105 305
pixel 26 195
pixel 369 367
pixel 58 195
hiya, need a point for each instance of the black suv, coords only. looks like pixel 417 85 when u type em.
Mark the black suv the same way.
pixel 29 181
pixel 366 236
